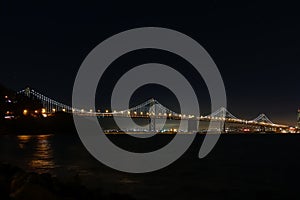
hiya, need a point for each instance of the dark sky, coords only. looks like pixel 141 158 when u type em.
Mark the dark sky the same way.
pixel 256 46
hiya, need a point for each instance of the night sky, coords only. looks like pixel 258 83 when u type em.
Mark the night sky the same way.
pixel 255 46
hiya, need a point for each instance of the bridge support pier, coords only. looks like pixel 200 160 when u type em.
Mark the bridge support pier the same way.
pixel 152 125
pixel 192 125
pixel 262 129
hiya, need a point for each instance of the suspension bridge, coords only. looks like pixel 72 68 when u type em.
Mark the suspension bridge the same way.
pixel 151 109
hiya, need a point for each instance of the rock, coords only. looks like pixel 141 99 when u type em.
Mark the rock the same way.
pixel 6 173
pixel 46 180
pixel 30 191
pixel 18 181
pixel 33 178
pixel 20 185
pixel 117 196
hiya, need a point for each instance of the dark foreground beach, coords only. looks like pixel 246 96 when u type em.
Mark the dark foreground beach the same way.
pixel 16 183
pixel 239 167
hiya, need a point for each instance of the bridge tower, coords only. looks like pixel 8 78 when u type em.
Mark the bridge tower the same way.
pixel 192 125
pixel 27 91
pixel 152 112
pixel 262 128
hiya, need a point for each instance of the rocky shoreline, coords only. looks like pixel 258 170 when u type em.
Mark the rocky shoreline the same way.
pixel 17 184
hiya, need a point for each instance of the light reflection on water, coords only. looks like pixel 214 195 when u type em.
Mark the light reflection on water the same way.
pixel 23 140
pixel 42 159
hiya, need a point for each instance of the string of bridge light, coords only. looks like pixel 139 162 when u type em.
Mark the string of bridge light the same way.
pixel 220 114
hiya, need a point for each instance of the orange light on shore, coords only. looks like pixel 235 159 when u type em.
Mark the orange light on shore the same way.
pixel 43 110
pixel 25 112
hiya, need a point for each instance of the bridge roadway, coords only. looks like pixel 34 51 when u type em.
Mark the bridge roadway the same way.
pixel 258 125
pixel 152 109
